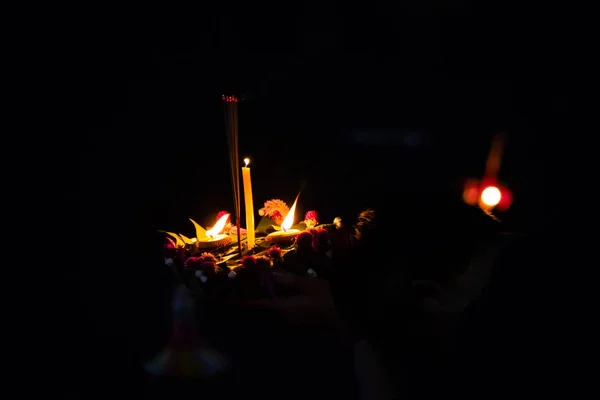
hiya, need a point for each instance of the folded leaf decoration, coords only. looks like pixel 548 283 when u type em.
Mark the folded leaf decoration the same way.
pixel 200 231
pixel 186 239
pixel 178 241
pixel 265 226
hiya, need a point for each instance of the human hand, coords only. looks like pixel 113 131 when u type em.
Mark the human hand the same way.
pixel 310 301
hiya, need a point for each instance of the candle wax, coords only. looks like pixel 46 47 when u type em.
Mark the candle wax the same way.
pixel 283 235
pixel 249 207
pixel 215 241
pixel 213 238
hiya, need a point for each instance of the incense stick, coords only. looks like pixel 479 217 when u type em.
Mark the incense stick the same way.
pixel 237 166
pixel 231 130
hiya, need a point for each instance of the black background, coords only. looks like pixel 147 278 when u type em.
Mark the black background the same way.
pixel 310 76
pixel 143 89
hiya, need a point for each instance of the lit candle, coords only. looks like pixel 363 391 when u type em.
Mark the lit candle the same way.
pixel 286 233
pixel 248 203
pixel 214 237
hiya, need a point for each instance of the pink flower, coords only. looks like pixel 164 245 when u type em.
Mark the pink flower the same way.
pixel 249 263
pixel 208 257
pixel 193 262
pixel 321 240
pixel 206 263
pixel 169 244
pixel 233 230
pixel 230 228
pixel 274 253
pixel 311 216
pixel 304 241
pixel 274 208
pixel 277 217
pixel 170 250
pixel 221 213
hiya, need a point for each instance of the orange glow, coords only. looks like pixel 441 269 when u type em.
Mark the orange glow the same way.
pixel 491 196
pixel 471 192
pixel 494 161
pixel 289 218
pixel 215 230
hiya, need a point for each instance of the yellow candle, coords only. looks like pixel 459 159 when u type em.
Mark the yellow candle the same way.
pixel 248 203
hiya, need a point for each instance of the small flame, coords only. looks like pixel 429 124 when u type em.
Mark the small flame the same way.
pixel 215 230
pixel 246 161
pixel 289 218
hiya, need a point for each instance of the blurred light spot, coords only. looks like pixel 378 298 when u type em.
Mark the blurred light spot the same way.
pixel 471 192
pixel 491 196
pixel 470 195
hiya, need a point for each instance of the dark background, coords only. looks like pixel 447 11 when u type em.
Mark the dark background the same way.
pixel 311 77
pixel 356 104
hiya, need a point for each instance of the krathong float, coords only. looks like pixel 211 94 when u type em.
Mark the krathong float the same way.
pixel 227 255
pixel 209 263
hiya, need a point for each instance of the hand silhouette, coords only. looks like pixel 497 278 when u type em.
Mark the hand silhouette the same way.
pixel 309 300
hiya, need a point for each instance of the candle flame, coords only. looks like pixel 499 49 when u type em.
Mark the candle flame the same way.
pixel 246 161
pixel 288 221
pixel 215 230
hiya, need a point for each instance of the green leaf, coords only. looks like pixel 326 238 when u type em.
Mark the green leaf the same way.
pixel 178 241
pixel 265 226
pixel 186 239
pixel 200 231
pixel 329 227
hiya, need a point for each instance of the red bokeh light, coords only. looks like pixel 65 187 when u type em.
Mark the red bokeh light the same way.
pixel 473 192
